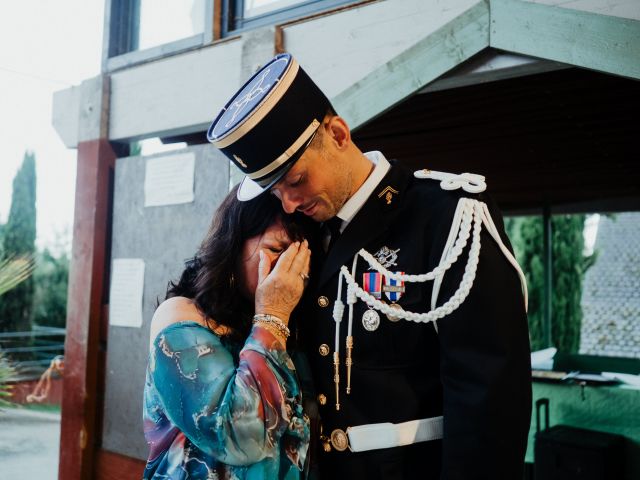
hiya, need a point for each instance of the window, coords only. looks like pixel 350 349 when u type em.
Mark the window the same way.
pixel 594 281
pixel 143 29
pixel 243 15
pixel 165 21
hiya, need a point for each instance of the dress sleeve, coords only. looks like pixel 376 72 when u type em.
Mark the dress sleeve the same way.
pixel 485 364
pixel 238 414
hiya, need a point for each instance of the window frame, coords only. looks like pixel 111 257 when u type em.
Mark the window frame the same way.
pixel 122 23
pixel 595 363
pixel 233 22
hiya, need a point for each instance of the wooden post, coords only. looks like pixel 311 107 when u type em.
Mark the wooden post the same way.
pixel 88 287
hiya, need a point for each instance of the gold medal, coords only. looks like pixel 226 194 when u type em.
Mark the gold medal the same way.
pixel 394 318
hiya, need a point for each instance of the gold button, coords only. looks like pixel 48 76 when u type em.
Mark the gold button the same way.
pixel 326 446
pixel 324 349
pixel 323 301
pixel 322 399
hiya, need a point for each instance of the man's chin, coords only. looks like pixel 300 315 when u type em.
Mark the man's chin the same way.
pixel 322 215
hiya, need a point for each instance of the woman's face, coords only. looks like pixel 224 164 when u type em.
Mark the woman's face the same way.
pixel 273 242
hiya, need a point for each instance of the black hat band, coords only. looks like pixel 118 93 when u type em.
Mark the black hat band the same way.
pixel 289 152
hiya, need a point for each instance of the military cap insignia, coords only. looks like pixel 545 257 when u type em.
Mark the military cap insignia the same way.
pixel 239 160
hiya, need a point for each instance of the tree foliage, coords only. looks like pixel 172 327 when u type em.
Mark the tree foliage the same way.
pixel 14 271
pixel 19 235
pixel 7 373
pixel 568 268
pixel 51 281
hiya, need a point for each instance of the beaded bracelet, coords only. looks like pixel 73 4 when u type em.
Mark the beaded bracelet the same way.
pixel 272 321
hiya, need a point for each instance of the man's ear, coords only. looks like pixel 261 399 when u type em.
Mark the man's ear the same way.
pixel 339 132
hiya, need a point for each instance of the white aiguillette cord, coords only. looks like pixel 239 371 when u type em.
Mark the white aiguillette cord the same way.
pixel 467 212
pixel 338 312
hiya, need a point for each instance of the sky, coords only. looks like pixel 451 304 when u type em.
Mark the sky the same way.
pixel 45 46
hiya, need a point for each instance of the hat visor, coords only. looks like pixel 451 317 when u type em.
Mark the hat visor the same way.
pixel 250 189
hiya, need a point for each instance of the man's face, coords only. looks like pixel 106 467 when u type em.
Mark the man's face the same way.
pixel 317 185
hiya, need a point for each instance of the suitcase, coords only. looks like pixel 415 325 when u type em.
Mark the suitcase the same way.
pixel 569 453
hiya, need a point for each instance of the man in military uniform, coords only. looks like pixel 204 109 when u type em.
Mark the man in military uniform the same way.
pixel 418 344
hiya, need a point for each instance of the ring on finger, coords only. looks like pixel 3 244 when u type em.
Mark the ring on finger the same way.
pixel 304 276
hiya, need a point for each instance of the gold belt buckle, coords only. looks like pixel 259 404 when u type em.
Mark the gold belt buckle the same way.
pixel 339 440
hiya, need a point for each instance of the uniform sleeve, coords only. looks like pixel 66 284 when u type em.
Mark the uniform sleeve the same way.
pixel 236 414
pixel 485 364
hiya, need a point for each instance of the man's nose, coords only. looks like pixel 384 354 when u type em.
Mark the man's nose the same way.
pixel 289 202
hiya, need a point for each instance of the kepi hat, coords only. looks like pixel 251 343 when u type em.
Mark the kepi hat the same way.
pixel 268 123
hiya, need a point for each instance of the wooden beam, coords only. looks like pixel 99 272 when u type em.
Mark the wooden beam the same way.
pixel 448 46
pixel 492 65
pixel 86 295
pixel 581 38
pixel 88 285
pixel 175 95
pixel 217 20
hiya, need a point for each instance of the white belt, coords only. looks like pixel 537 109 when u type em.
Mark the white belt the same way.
pixel 388 435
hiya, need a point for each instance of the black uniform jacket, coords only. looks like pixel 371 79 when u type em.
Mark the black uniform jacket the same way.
pixel 475 371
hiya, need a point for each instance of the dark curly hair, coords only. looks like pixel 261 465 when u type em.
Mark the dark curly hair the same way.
pixel 208 278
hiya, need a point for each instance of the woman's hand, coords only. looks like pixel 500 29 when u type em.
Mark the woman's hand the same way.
pixel 279 291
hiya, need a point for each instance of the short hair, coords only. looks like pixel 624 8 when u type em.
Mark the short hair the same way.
pixel 316 142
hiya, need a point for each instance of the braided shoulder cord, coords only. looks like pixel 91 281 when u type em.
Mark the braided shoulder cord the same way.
pixel 354 290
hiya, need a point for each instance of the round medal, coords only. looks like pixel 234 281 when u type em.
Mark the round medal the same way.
pixel 370 320
pixel 339 440
pixel 395 306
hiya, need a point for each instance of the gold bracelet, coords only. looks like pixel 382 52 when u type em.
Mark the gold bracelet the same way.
pixel 273 330
pixel 273 321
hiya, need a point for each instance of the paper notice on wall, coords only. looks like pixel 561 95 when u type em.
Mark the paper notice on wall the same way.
pixel 125 297
pixel 169 179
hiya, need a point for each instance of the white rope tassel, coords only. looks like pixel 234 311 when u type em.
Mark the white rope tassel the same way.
pixel 456 299
pixel 351 296
pixel 338 312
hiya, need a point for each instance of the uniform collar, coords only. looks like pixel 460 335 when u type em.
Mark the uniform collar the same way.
pixel 358 199
pixel 371 222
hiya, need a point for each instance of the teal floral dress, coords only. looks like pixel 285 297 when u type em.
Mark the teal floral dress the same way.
pixel 215 410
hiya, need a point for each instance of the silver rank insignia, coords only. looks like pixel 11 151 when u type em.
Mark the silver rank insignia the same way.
pixel 370 320
pixel 387 257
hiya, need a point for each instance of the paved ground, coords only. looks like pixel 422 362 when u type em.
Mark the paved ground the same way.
pixel 29 444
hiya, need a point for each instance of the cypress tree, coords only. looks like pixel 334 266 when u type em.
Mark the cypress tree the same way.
pixel 568 268
pixel 50 298
pixel 19 235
